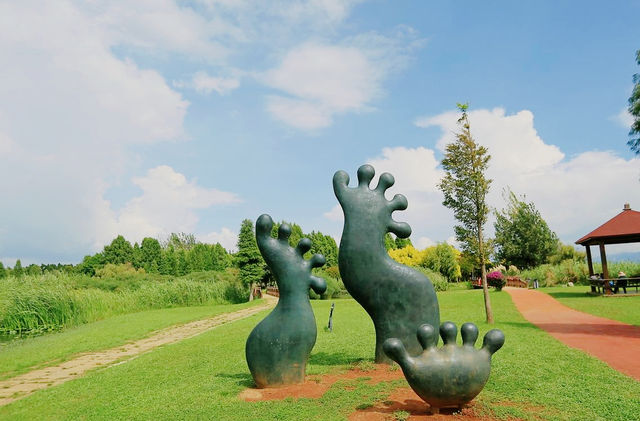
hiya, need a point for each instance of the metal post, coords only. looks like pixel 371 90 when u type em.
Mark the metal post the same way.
pixel 331 317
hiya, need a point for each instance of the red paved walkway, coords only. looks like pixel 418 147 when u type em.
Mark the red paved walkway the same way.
pixel 615 343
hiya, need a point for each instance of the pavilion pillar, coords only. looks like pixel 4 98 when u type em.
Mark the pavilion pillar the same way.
pixel 590 266
pixel 605 269
pixel 589 261
pixel 603 259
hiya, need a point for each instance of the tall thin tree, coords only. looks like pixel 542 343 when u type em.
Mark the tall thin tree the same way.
pixel 465 188
pixel 634 110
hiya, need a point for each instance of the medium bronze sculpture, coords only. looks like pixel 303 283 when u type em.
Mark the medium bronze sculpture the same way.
pixel 398 298
pixel 278 347
pixel 452 375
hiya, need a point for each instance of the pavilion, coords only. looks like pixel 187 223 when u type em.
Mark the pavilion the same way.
pixel 622 228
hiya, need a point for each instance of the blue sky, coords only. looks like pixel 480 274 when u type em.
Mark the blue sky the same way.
pixel 148 117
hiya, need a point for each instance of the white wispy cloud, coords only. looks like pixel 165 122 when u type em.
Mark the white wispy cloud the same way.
pixel 71 110
pixel 324 80
pixel 226 237
pixel 335 214
pixel 205 84
pixel 574 194
pixel 167 204
pixel 623 118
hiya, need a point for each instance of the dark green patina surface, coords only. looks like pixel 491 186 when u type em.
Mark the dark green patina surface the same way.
pixel 451 375
pixel 278 347
pixel 398 298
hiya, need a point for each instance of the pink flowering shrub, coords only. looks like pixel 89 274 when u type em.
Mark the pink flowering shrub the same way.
pixel 496 279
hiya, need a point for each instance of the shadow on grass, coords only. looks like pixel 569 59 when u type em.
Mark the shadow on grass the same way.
pixel 242 379
pixel 519 325
pixel 572 294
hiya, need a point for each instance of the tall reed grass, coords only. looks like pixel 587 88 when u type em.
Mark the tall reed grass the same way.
pixel 576 272
pixel 51 302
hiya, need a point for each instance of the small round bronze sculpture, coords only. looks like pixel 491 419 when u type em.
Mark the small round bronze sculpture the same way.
pixel 452 375
pixel 398 298
pixel 278 347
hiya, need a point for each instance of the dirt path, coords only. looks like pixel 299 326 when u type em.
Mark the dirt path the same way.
pixel 20 386
pixel 615 343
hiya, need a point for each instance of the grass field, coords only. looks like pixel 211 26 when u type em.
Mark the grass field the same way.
pixel 22 355
pixel 623 309
pixel 533 377
pixel 55 301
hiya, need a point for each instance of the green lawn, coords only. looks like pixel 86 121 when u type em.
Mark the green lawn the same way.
pixel 623 309
pixel 534 376
pixel 23 355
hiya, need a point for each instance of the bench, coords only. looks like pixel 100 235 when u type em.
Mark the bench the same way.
pixel 603 286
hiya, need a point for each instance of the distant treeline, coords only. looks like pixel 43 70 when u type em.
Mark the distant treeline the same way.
pixel 178 255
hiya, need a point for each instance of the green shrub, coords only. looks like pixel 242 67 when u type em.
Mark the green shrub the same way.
pixel 335 287
pixel 437 279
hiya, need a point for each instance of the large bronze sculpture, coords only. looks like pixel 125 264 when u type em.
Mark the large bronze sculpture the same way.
pixel 398 298
pixel 278 347
pixel 452 375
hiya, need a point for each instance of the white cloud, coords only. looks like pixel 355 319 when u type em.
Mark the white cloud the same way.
pixel 423 242
pixel 323 80
pixel 623 118
pixel 574 195
pixel 72 105
pixel 419 171
pixel 70 109
pixel 335 214
pixel 167 204
pixel 226 237
pixel 205 84
pixel 276 19
pixel 161 26
pixel 339 77
pixel 6 144
pixel 330 11
pixel 512 140
pixel 452 241
pixel 64 75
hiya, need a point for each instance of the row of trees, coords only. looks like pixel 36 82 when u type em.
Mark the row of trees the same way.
pixel 33 269
pixel 178 255
pixel 181 254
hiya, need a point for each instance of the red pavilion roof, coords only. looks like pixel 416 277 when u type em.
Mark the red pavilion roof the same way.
pixel 622 228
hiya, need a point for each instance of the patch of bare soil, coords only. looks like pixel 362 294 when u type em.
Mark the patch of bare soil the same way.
pixel 315 386
pixel 23 385
pixel 404 404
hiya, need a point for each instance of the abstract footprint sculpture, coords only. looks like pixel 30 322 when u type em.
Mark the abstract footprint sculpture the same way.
pixel 278 347
pixel 452 375
pixel 398 298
